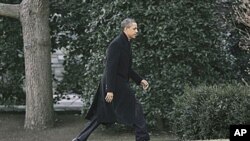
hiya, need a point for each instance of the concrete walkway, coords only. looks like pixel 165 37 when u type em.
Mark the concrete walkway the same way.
pixel 214 140
pixel 70 102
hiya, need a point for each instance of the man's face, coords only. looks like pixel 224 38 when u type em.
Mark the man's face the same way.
pixel 131 31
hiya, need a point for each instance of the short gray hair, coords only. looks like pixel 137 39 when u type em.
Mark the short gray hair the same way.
pixel 127 22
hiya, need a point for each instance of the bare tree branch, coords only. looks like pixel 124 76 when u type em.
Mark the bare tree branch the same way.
pixel 242 12
pixel 9 10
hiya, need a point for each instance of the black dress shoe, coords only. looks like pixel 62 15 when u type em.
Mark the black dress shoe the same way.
pixel 75 139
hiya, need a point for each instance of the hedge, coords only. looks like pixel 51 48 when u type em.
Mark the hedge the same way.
pixel 206 112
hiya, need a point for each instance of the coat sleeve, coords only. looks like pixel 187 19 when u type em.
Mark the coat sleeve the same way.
pixel 113 55
pixel 134 76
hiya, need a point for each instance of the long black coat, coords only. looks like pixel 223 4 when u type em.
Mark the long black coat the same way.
pixel 116 79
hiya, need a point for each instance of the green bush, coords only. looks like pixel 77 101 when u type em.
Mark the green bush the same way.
pixel 11 62
pixel 205 112
pixel 180 42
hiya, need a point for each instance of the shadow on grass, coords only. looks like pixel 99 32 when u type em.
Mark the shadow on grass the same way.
pixel 67 126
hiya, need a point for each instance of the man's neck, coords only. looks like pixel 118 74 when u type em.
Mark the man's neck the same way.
pixel 126 36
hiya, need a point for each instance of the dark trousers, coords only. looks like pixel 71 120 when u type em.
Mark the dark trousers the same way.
pixel 141 133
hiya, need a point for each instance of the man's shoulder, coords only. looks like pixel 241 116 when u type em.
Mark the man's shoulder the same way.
pixel 116 41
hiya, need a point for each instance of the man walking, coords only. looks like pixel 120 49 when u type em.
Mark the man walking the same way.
pixel 114 100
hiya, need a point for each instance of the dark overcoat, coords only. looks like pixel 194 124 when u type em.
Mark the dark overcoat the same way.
pixel 116 79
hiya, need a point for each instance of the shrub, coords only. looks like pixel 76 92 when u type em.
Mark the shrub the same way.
pixel 205 112
pixel 180 42
pixel 11 62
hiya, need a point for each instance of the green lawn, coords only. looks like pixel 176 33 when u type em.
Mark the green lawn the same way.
pixel 67 127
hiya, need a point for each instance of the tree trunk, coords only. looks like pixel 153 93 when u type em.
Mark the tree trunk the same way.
pixel 34 16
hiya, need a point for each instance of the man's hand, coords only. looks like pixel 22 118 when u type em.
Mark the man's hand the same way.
pixel 144 84
pixel 109 97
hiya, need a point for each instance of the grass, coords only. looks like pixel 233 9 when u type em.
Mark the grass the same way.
pixel 67 126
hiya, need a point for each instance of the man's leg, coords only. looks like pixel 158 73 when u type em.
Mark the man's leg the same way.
pixel 90 127
pixel 141 133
